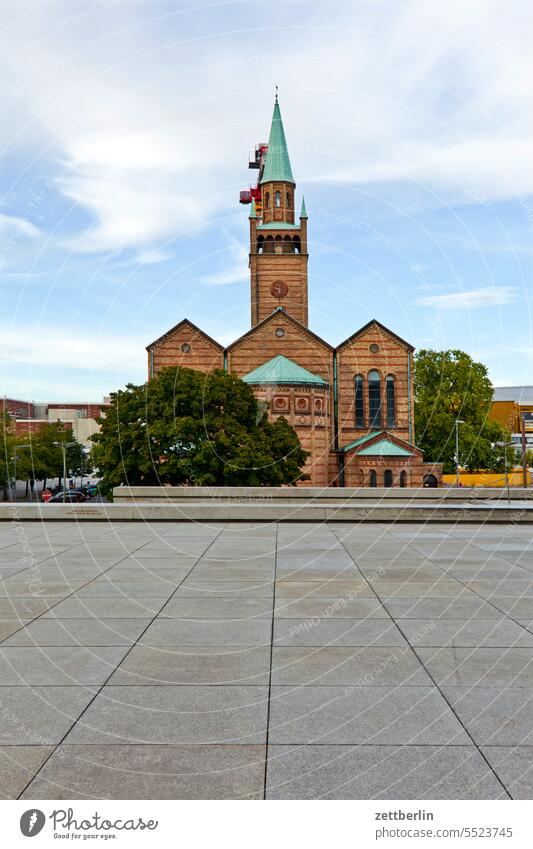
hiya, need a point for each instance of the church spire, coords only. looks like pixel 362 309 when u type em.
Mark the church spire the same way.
pixel 277 165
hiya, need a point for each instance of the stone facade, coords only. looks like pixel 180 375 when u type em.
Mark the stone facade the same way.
pixel 357 418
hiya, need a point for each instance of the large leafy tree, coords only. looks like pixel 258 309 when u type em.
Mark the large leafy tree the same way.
pixel 450 385
pixel 187 427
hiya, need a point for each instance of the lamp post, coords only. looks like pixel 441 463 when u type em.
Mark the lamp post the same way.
pixel 506 445
pixel 64 446
pixel 457 475
pixel 15 465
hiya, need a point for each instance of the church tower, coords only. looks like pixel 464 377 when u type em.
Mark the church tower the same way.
pixel 278 245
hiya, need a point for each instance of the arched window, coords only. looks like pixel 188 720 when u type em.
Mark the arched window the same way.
pixel 373 478
pixel 267 200
pixel 403 478
pixel 277 199
pixel 391 416
pixel 287 245
pixel 359 401
pixel 260 244
pixel 387 478
pixel 278 245
pixel 289 200
pixel 269 245
pixel 297 245
pixel 374 399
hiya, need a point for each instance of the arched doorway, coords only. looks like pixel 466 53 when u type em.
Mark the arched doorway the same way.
pixel 373 478
pixel 387 478
pixel 430 480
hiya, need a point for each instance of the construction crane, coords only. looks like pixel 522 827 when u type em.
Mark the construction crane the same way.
pixel 257 163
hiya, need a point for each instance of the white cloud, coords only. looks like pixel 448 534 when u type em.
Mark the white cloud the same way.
pixel 10 224
pixel 236 272
pixel 50 346
pixel 491 296
pixel 153 123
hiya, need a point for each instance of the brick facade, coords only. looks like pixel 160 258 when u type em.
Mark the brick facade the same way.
pixel 328 419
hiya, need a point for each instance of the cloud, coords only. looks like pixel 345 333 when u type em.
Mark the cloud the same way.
pixel 10 224
pixel 236 272
pixel 49 346
pixel 491 296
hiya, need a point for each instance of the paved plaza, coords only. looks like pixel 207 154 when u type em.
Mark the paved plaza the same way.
pixel 181 660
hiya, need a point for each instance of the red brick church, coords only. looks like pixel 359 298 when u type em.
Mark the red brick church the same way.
pixel 351 405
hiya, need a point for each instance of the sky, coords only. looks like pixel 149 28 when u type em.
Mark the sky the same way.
pixel 125 133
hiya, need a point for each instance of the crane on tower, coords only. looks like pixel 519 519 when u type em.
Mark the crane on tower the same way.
pixel 256 162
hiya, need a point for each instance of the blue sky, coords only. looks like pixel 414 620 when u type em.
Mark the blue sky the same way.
pixel 125 131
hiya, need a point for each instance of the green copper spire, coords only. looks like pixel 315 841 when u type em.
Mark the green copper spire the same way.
pixel 277 165
pixel 303 213
pixel 253 213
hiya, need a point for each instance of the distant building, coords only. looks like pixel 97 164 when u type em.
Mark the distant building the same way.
pixel 509 405
pixel 29 417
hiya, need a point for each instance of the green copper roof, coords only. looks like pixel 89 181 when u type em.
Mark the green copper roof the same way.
pixel 253 213
pixel 362 440
pixel 282 370
pixel 385 448
pixel 278 225
pixel 303 213
pixel 277 165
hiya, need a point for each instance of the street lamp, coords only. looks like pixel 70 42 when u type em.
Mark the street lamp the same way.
pixel 15 465
pixel 457 475
pixel 64 446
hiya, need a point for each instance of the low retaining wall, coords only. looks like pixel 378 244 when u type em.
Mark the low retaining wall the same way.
pixel 205 512
pixel 309 495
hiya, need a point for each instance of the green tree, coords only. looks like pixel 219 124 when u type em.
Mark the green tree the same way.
pixel 187 427
pixel 7 441
pixel 450 385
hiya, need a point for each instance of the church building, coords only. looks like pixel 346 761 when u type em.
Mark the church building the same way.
pixel 352 404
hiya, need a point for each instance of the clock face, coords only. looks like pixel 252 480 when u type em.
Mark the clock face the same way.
pixel 279 289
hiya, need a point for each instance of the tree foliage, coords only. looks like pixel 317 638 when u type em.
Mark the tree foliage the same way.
pixel 38 457
pixel 187 427
pixel 450 385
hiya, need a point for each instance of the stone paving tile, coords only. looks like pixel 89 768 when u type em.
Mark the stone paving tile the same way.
pixel 330 608
pixel 343 665
pixel 323 589
pixel 421 589
pixel 514 767
pixel 151 772
pixel 18 765
pixel 127 572
pixel 361 714
pixel 517 608
pixel 316 573
pixel 40 715
pixel 85 632
pixel 232 573
pixel 217 608
pixel 104 588
pixel 175 714
pixel 208 632
pixel 380 772
pixel 338 632
pixel 192 588
pixel 66 665
pixel 471 633
pixel 468 667
pixel 194 665
pixel 36 586
pixel 494 716
pixel 25 608
pixel 106 608
pixel 470 607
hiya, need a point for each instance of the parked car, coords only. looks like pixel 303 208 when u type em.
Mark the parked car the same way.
pixel 72 496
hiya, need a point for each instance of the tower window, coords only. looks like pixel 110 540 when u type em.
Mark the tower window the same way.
pixel 359 401
pixel 267 200
pixel 289 200
pixel 277 199
pixel 374 399
pixel 391 418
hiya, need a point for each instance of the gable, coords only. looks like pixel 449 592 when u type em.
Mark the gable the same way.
pixel 373 329
pixel 184 325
